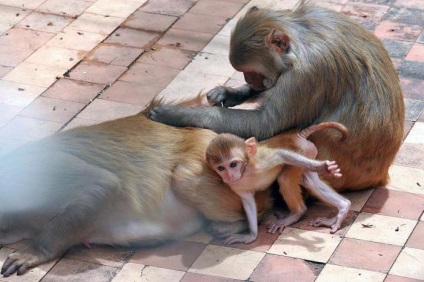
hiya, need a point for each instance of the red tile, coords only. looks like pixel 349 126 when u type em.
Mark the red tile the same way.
pixel 411 155
pixel 4 70
pixel 12 55
pixel 132 37
pixel 200 23
pixel 394 278
pixel 224 9
pixel 153 75
pixel 97 72
pixel 114 54
pixel 416 53
pixel 131 93
pixel 365 255
pixel 399 31
pixel 166 7
pixel 393 203
pixel 167 57
pixel 73 90
pixel 25 38
pixel 279 268
pixel 189 40
pixel 365 10
pixel 195 277
pixel 412 88
pixel 149 21
pixel 407 127
pixel 416 238
pixel 177 256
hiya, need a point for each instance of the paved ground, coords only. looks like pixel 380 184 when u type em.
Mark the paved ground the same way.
pixel 78 62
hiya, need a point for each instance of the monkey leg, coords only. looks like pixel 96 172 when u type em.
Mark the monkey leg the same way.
pixel 326 194
pixel 289 182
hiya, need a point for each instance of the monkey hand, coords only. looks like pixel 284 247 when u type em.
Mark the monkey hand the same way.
pixel 331 169
pixel 241 238
pixel 21 260
pixel 221 96
pixel 172 115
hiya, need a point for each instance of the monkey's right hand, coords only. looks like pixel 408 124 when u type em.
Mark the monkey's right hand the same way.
pixel 240 238
pixel 221 96
pixel 21 260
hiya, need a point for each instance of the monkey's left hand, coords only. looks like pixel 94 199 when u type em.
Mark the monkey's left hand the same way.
pixel 21 260
pixel 240 238
pixel 330 168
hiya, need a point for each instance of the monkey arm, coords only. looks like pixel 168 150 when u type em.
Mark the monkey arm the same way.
pixel 230 97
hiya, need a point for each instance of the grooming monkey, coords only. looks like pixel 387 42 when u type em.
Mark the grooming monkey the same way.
pixel 248 168
pixel 312 65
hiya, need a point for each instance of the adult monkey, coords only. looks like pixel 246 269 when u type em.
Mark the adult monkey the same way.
pixel 312 65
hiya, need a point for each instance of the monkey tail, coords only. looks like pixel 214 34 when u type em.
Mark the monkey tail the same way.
pixel 305 133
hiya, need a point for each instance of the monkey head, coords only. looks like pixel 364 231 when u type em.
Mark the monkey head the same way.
pixel 259 48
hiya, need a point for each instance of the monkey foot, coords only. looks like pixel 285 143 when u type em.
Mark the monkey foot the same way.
pixel 20 262
pixel 332 223
pixel 240 238
pixel 281 223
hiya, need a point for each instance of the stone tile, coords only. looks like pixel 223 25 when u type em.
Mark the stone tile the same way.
pixel 411 155
pixel 413 108
pixel 149 22
pixel 411 88
pixel 405 15
pixel 133 38
pixel 120 9
pixel 338 273
pixel 176 256
pixel 307 245
pixel 153 75
pixel 72 8
pixel 148 273
pixel 224 9
pixel 381 229
pixel 416 53
pixel 371 12
pixel 200 237
pixel 397 31
pixel 407 127
pixel 358 198
pixel 279 268
pixel 416 238
pixel 56 57
pixel 195 277
pixel 97 72
pixel 189 40
pixel 220 44
pixel 8 112
pixel 172 8
pixel 44 22
pixel 33 275
pixel 73 90
pixel 77 122
pixel 228 28
pixel 103 110
pixel 167 57
pixel 96 23
pixel 130 272
pixel 211 64
pixel 114 55
pixel 76 270
pixel 46 108
pixel 76 39
pixel 4 70
pixel 34 74
pixel 394 278
pixel 200 23
pixel 18 94
pixel 104 255
pixel 397 48
pixel 131 93
pixel 228 262
pixel 12 56
pixel 23 3
pixel 365 255
pixel 392 203
pixel 25 128
pixel 416 135
pixel 416 4
pixel 9 16
pixel 409 264
pixel 411 69
pixel 407 179
pixel 25 38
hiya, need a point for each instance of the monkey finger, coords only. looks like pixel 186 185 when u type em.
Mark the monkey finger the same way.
pixel 217 96
pixel 10 268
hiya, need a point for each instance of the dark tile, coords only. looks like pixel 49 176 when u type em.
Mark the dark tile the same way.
pixel 404 15
pixel 412 69
pixel 412 88
pixel 397 48
pixel 413 109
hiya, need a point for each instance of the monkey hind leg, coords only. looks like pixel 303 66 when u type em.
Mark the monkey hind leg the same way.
pixel 289 182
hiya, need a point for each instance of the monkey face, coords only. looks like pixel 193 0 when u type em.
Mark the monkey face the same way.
pixel 230 170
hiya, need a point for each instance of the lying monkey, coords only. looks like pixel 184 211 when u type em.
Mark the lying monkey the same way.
pixel 247 168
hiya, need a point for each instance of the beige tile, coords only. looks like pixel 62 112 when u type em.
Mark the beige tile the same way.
pixel 409 264
pixel 220 44
pixel 56 57
pixel 103 110
pixel 9 16
pixel 211 64
pixel 335 273
pixel 358 199
pixel 422 217
pixel 76 39
pixel 309 245
pixel 381 229
pixel 113 8
pixel 34 74
pixel 34 274
pixel 416 135
pixel 26 128
pixel 200 237
pixel 96 23
pixel 283 5
pixel 407 179
pixel 65 8
pixel 227 262
pixel 44 22
pixel 104 255
pixel 228 28
pixel 18 94
pixel 77 122
pixel 22 3
pixel 131 272
pixel 140 273
pixel 7 113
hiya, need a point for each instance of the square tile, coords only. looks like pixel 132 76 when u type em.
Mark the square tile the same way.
pixel 394 278
pixel 195 277
pixel 416 239
pixel 279 268
pixel 149 21
pixel 407 179
pixel 112 8
pixel 381 229
pixel 103 110
pixel 211 64
pixel 335 273
pixel 416 135
pixel 9 16
pixel 365 10
pixel 228 262
pixel 411 155
pixel 131 93
pixel 308 245
pixel 397 31
pixel 176 256
pixel 104 255
pixel 154 75
pixel 397 48
pixel 165 7
pixel 56 57
pixel 23 3
pixel 411 69
pixel 220 44
pixel 405 15
pixel 147 274
pixel 392 203
pixel 44 22
pixel 26 128
pixel 413 109
pixel 76 39
pixel 200 237
pixel 35 74
pixel 224 9
pixel 4 70
pixel 25 38
pixel 77 122
pixel 415 4
pixel 130 272
pixel 365 255
pixel 167 57
pixel 74 90
pixel 132 37
pixel 114 54
pixel 97 72
pixel 189 40
pixel 409 264
pixel 12 55
pixel 200 23
pixel 96 23
pixel 358 198
pixel 72 8
pixel 18 94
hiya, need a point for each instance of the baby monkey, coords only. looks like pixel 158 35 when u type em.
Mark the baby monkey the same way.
pixel 247 168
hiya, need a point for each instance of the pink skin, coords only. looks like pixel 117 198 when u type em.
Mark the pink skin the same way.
pixel 255 80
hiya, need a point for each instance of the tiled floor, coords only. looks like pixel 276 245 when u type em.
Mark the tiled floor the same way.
pixel 79 62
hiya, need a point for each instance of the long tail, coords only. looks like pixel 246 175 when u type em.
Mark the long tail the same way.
pixel 323 125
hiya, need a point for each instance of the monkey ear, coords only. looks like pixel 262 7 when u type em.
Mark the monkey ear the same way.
pixel 253 9
pixel 251 146
pixel 278 41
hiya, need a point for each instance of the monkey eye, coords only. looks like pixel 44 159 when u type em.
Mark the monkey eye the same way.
pixel 220 168
pixel 233 164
